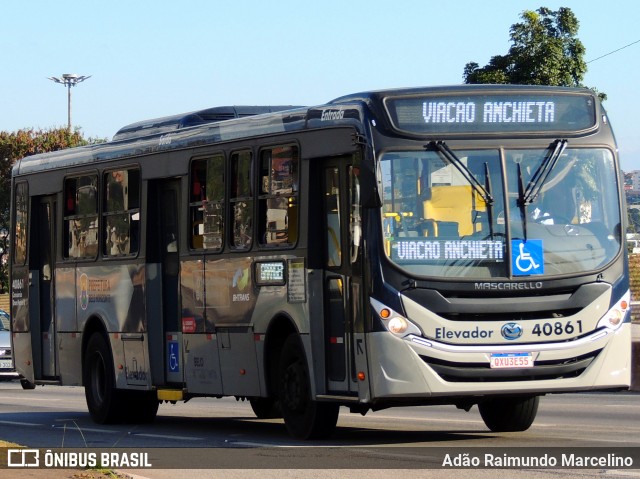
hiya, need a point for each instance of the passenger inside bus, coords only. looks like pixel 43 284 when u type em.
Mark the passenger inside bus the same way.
pixel 556 207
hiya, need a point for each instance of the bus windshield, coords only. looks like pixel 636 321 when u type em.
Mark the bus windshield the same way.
pixel 437 221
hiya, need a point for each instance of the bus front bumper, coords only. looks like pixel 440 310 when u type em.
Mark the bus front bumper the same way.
pixel 418 367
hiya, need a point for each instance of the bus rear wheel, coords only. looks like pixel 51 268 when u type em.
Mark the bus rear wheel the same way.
pixel 303 417
pixel 103 399
pixel 509 414
pixel 142 406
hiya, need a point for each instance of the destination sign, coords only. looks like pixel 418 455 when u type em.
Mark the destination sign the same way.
pixel 494 113
pixel 417 251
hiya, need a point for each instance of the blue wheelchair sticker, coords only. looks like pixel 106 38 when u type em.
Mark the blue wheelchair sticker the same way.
pixel 527 257
pixel 173 355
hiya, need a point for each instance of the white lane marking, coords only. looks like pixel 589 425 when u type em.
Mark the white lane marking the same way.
pixel 73 427
pixel 256 444
pixel 17 400
pixel 166 436
pixel 18 423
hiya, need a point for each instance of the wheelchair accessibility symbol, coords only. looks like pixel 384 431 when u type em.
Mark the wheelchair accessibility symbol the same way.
pixel 527 257
pixel 173 357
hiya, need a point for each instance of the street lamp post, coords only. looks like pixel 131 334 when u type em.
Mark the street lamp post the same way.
pixel 69 80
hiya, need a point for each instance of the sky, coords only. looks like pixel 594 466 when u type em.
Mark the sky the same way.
pixel 153 58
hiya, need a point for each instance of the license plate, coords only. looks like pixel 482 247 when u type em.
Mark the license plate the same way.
pixel 6 364
pixel 511 360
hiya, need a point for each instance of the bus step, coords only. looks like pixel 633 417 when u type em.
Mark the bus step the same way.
pixel 48 382
pixel 170 395
pixel 332 397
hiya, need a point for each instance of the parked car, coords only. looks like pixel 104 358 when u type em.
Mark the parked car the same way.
pixel 7 371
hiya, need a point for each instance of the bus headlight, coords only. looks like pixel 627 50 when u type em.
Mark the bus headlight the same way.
pixel 615 316
pixel 397 325
pixel 393 321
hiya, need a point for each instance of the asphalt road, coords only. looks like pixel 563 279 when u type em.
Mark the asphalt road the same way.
pixel 217 436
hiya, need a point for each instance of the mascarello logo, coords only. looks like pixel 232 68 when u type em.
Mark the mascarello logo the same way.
pixel 511 331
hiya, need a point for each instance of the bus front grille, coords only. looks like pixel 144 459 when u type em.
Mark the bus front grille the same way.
pixel 481 372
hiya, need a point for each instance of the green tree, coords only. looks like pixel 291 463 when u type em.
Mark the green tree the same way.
pixel 16 145
pixel 545 50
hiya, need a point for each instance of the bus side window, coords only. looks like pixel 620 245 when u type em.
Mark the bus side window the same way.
pixel 332 209
pixel 278 207
pixel 241 199
pixel 81 217
pixel 121 212
pixel 21 202
pixel 207 203
pixel 355 218
pixel 196 202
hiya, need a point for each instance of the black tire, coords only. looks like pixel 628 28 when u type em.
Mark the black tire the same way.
pixel 103 399
pixel 509 414
pixel 265 408
pixel 304 418
pixel 141 406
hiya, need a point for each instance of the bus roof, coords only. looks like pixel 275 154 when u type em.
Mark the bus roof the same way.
pixel 166 124
pixel 169 133
pixel 227 123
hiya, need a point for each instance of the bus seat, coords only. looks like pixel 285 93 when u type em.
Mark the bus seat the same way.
pixel 448 229
pixel 453 204
pixel 197 235
pixel 442 229
pixel 429 227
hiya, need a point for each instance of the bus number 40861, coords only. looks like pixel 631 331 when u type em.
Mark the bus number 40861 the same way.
pixel 558 328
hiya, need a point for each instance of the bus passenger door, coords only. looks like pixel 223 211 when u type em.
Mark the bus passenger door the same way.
pixel 165 335
pixel 42 259
pixel 342 288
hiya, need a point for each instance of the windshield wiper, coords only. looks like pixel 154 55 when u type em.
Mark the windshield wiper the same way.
pixel 521 203
pixel 451 157
pixel 487 179
pixel 540 176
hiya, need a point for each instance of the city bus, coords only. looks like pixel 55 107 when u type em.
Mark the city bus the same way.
pixel 457 245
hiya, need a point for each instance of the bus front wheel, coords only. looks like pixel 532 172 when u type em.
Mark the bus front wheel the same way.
pixel 98 376
pixel 303 417
pixel 509 414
